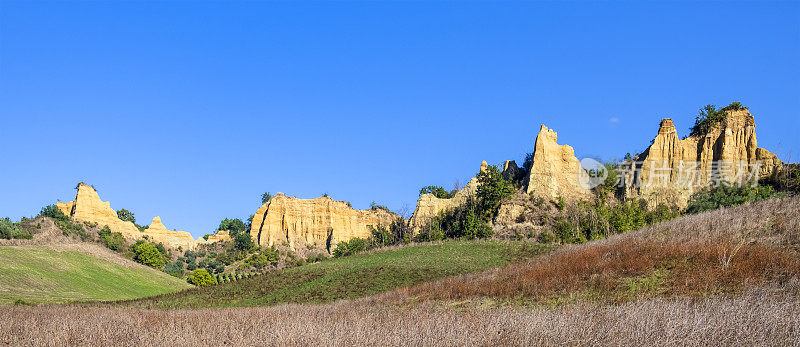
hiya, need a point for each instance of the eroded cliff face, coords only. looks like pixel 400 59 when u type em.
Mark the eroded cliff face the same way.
pixel 672 169
pixel 157 232
pixel 88 207
pixel 321 222
pixel 555 171
pixel 428 205
pixel 220 236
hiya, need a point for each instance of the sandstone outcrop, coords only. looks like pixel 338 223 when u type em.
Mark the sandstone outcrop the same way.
pixel 672 169
pixel 220 236
pixel 428 205
pixel 88 207
pixel 157 232
pixel 323 222
pixel 555 171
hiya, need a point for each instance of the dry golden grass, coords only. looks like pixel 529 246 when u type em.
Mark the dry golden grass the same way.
pixel 758 317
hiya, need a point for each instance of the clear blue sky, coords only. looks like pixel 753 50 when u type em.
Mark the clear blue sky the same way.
pixel 191 110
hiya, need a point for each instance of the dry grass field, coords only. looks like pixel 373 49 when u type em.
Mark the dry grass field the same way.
pixel 758 317
pixel 728 277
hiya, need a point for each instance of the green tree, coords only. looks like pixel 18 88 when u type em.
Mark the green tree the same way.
pixel 243 242
pixel 201 278
pixel 52 211
pixel 264 258
pixel 126 215
pixel 437 191
pixel 267 196
pixel 493 189
pixel 234 225
pixel 148 254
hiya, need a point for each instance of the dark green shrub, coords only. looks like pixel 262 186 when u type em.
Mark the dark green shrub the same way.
pixel 243 242
pixel 437 191
pixel 52 211
pixel 235 226
pixel 726 195
pixel 126 215
pixel 175 269
pixel 10 230
pixel 353 246
pixel 492 191
pixel 709 116
pixel 265 197
pixel 201 278
pixel 266 257
pixel 114 241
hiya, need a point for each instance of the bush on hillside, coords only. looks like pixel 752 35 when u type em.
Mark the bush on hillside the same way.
pixel 10 230
pixel 726 195
pixel 201 278
pixel 149 254
pixel 353 246
pixel 243 242
pixel 63 222
pixel 52 211
pixel 114 241
pixel 175 268
pixel 266 257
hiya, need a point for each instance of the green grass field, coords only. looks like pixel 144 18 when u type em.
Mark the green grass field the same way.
pixel 39 275
pixel 354 276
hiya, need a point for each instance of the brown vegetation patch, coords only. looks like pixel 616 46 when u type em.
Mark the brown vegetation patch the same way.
pixel 622 271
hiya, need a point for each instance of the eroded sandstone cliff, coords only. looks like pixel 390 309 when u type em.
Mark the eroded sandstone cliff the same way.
pixel 88 207
pixel 157 232
pixel 320 222
pixel 555 171
pixel 672 169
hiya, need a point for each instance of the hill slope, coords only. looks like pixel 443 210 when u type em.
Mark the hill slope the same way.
pixel 76 272
pixel 354 276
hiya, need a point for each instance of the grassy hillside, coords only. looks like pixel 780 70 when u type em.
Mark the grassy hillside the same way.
pixel 43 274
pixel 354 276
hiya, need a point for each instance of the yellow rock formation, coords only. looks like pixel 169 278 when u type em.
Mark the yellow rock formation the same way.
pixel 555 171
pixel 157 232
pixel 672 169
pixel 88 207
pixel 322 222
pixel 428 205
pixel 220 236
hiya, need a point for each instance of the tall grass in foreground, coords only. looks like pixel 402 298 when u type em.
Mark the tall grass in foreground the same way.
pixel 759 317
